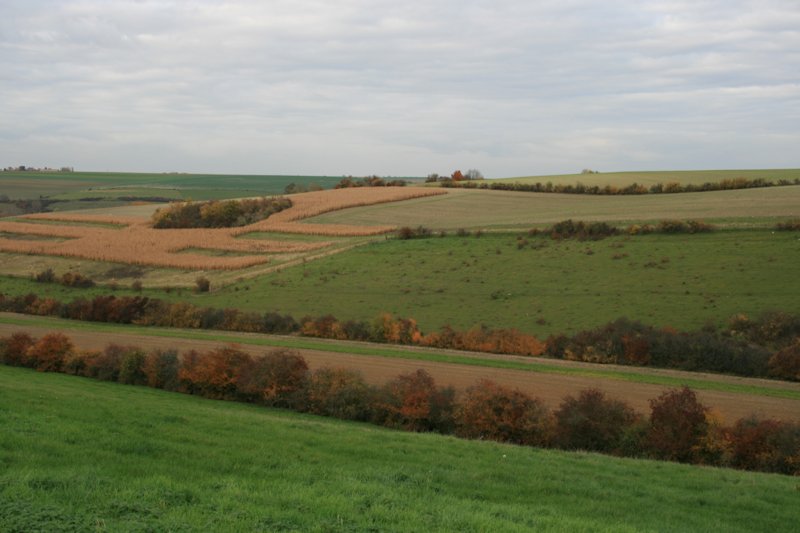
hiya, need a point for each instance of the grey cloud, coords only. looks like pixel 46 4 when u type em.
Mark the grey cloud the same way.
pixel 510 87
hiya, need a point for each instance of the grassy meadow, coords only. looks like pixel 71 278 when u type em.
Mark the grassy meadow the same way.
pixel 112 185
pixel 536 284
pixel 82 455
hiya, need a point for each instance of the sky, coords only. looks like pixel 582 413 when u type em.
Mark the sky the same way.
pixel 357 87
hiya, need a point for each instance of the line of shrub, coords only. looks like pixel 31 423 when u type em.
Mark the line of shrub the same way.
pixel 634 188
pixel 679 427
pixel 768 346
pixel 581 230
pixel 68 279
pixel 218 213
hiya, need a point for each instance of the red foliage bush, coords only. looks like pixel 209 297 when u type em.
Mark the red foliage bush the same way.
pixel 413 402
pixel 493 412
pixel 592 422
pixel 49 352
pixel 677 425
pixel 766 445
pixel 14 349
pixel 214 374
pixel 277 378
pixel 785 364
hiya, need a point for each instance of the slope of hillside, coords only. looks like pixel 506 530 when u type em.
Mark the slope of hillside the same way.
pixel 81 455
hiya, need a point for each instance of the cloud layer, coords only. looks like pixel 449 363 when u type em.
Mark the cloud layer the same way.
pixel 399 88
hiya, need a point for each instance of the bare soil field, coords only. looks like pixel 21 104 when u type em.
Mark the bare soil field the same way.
pixel 550 387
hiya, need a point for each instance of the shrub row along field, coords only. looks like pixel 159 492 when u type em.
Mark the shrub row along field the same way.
pixel 679 427
pixel 218 214
pixel 89 455
pixel 137 243
pixel 671 187
pixel 648 178
pixel 769 346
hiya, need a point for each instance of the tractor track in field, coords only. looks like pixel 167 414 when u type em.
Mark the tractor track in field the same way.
pixel 550 386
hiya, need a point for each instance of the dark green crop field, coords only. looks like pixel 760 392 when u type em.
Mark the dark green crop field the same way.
pixel 79 455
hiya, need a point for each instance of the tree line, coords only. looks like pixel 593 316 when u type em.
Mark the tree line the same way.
pixel 765 346
pixel 218 213
pixel 634 188
pixel 678 428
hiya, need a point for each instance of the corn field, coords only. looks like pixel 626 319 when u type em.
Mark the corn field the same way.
pixel 136 242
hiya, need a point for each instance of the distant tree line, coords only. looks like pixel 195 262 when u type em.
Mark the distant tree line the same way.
pixel 457 176
pixel 679 427
pixel 634 188
pixel 368 181
pixel 218 213
pixel 768 346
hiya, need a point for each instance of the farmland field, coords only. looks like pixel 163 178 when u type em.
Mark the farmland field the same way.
pixel 684 177
pixel 503 209
pixel 73 185
pixel 82 455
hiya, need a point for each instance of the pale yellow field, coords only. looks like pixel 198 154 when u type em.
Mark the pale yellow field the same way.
pixel 136 242
pixel 498 209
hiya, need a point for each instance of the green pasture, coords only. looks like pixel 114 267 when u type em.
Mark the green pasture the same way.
pixel 74 185
pixel 82 455
pixel 539 286
pixel 493 210
pixel 647 178
pixel 502 280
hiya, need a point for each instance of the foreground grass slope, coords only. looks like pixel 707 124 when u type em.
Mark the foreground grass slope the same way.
pixel 83 455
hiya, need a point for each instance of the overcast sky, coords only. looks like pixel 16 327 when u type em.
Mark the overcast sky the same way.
pixel 400 88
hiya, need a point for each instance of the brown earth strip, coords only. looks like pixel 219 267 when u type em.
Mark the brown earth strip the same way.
pixel 551 388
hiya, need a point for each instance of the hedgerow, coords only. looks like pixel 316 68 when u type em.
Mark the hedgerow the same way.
pixel 678 428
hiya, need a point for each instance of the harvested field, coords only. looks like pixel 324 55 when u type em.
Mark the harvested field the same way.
pixel 464 208
pixel 549 386
pixel 135 242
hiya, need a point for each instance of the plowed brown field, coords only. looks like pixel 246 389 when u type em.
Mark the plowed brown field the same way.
pixel 551 387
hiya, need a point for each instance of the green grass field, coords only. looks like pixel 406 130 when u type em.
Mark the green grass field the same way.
pixel 545 287
pixel 81 455
pixel 684 177
pixel 73 185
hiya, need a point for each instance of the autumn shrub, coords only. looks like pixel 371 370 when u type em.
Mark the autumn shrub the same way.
pixel 775 329
pixel 215 374
pixel 788 225
pixel 785 363
pixel 572 229
pixel 105 365
pixel 340 393
pixel 45 276
pixel 218 213
pixel 413 402
pixel 407 232
pixel 75 362
pixel 14 349
pixel 161 369
pixel 766 445
pixel 49 352
pixel 494 412
pixel 76 279
pixel 278 378
pixel 592 422
pixel 202 284
pixel 677 425
pixel 131 368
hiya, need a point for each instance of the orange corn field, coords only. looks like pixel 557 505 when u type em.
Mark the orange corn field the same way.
pixel 136 242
